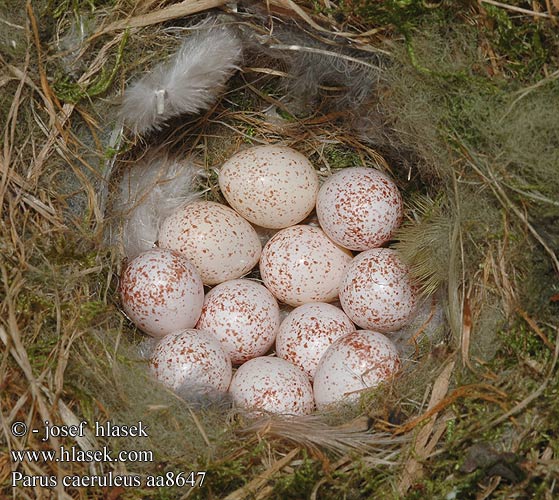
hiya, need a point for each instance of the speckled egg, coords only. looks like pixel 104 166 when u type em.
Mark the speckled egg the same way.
pixel 219 242
pixel 301 264
pixel 359 208
pixel 272 186
pixel 191 358
pixel 244 316
pixel 161 292
pixel 377 291
pixel 357 361
pixel 308 331
pixel 272 385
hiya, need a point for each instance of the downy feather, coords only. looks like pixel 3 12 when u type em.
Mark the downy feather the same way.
pixel 149 192
pixel 187 84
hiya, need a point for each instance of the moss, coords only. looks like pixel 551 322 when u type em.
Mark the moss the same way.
pixel 523 48
pixel 73 92
pixel 300 483
pixel 519 344
pixel 338 156
pixel 13 42
pixel 40 353
pixel 398 14
pixel 526 47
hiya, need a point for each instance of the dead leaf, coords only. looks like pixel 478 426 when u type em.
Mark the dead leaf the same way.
pixel 422 447
pixel 493 463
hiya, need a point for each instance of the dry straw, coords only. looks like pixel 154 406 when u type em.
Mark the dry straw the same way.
pixel 476 160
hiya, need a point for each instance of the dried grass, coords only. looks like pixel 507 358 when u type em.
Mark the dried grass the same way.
pixel 450 136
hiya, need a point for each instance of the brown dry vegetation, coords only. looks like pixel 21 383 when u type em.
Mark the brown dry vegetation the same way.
pixel 463 113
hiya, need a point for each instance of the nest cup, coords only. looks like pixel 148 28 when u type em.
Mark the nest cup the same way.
pixel 275 122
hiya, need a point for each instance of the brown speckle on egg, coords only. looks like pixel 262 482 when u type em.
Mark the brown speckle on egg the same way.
pixel 359 208
pixel 300 264
pixel 357 361
pixel 161 292
pixel 271 186
pixel 219 242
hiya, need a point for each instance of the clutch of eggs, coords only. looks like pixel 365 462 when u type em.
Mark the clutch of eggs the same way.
pixel 303 266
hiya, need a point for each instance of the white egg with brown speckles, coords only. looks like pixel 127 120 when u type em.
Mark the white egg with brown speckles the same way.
pixel 301 264
pixel 244 316
pixel 191 358
pixel 377 291
pixel 271 186
pixel 355 362
pixel 308 331
pixel 161 292
pixel 219 242
pixel 359 208
pixel 272 385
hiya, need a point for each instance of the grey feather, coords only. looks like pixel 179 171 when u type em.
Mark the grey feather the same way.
pixel 186 84
pixel 148 192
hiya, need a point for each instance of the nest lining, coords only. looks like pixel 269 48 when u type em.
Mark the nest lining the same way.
pixel 479 202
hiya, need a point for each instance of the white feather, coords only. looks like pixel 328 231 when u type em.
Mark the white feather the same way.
pixel 149 192
pixel 186 84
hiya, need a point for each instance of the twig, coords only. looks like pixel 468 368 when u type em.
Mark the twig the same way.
pixel 248 490
pixel 50 97
pixel 158 16
pixel 323 52
pixel 422 447
pixel 520 10
pixel 291 5
pixel 534 326
pixel 470 390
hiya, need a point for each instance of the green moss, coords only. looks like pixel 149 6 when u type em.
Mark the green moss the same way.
pixel 525 45
pixel 41 352
pixel 399 14
pixel 519 344
pixel 90 310
pixel 71 91
pixel 300 483
pixel 339 156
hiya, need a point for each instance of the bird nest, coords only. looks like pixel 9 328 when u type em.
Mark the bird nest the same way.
pixel 455 101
